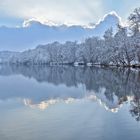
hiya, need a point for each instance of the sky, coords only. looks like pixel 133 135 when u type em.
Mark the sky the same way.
pixel 78 12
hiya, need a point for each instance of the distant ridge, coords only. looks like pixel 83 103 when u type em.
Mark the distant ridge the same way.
pixel 33 33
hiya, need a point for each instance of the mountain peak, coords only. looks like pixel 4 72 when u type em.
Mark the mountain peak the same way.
pixel 111 17
pixel 31 22
pixel 35 22
pixel 110 20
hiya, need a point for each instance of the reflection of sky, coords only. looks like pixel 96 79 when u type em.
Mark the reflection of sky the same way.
pixel 19 86
pixel 78 120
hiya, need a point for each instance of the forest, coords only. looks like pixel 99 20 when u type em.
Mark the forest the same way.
pixel 119 49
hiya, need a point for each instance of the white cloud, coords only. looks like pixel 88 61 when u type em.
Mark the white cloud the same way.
pixel 59 11
pixel 66 11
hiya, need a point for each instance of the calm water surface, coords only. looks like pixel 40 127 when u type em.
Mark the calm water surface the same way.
pixel 69 103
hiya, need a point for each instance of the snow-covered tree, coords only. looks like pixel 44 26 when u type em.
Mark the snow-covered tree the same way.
pixel 120 49
pixel 91 49
pixel 134 21
pixel 108 48
pixel 134 24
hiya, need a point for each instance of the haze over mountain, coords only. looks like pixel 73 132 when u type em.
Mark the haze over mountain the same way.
pixel 33 33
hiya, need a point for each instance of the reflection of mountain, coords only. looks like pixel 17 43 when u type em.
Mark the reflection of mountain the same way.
pixel 111 106
pixel 110 86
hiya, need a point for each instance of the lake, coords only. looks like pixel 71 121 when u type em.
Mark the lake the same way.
pixel 69 103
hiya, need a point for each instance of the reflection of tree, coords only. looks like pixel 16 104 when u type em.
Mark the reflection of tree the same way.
pixel 122 83
pixel 135 111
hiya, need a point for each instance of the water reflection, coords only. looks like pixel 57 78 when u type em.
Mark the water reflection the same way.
pixel 111 87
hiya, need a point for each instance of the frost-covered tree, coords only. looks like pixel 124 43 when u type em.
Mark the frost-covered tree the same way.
pixel 134 21
pixel 134 24
pixel 119 49
pixel 108 47
pixel 91 50
pixel 70 52
pixel 80 54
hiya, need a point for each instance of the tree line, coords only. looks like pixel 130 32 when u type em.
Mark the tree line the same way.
pixel 119 49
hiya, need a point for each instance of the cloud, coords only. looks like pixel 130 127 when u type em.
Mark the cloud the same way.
pixel 66 11
pixel 62 11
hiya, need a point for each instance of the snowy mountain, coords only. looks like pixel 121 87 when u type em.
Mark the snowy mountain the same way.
pixel 108 21
pixel 33 33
